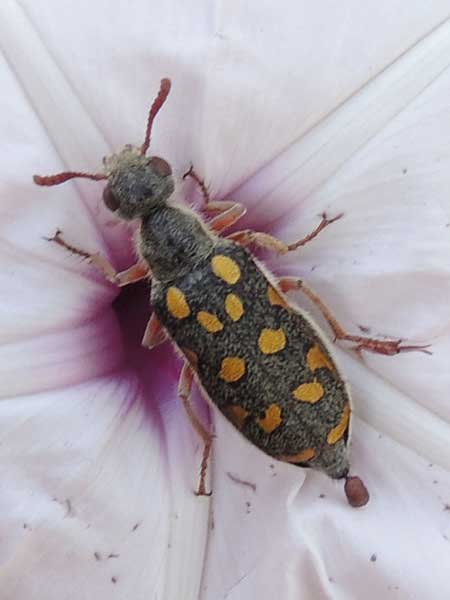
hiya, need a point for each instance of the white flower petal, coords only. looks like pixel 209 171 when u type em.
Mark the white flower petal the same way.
pixel 311 542
pixel 91 482
pixel 249 85
pixel 72 493
pixel 61 358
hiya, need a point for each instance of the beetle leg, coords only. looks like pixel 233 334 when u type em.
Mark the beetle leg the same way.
pixel 154 333
pixel 387 347
pixel 227 212
pixel 135 273
pixel 184 391
pixel 265 240
pixel 201 184
pixel 320 227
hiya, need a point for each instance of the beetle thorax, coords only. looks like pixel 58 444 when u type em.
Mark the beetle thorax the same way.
pixel 173 242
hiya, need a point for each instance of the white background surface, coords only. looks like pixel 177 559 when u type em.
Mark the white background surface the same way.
pixel 293 110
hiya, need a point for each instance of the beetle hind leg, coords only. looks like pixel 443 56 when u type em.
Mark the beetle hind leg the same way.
pixel 184 392
pixel 386 347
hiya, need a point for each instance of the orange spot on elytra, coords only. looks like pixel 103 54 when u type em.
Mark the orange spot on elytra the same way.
pixel 302 456
pixel 335 434
pixel 177 304
pixel 272 418
pixel 309 392
pixel 316 359
pixel 209 322
pixel 226 268
pixel 236 414
pixel 275 299
pixel 234 307
pixel 271 341
pixel 232 369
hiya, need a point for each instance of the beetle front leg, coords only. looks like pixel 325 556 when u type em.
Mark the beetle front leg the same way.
pixel 233 211
pixel 201 184
pixel 226 212
pixel 184 392
pixel 386 347
pixel 270 242
pixel 135 273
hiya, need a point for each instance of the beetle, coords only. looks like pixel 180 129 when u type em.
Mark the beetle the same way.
pixel 256 356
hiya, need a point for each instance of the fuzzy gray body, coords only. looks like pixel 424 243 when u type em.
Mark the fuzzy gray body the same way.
pixel 180 254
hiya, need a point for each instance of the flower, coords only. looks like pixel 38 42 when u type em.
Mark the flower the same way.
pixel 290 112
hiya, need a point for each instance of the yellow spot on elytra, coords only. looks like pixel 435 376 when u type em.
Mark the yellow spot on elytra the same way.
pixel 177 304
pixel 272 418
pixel 309 392
pixel 316 359
pixel 337 432
pixel 271 341
pixel 226 268
pixel 232 369
pixel 275 299
pixel 302 456
pixel 234 307
pixel 209 321
pixel 237 415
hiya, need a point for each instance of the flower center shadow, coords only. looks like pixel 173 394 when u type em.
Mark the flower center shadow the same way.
pixel 158 369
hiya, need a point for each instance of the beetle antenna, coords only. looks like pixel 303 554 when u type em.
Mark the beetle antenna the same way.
pixel 65 176
pixel 157 103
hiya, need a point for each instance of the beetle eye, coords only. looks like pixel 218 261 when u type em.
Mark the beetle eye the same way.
pixel 161 166
pixel 109 199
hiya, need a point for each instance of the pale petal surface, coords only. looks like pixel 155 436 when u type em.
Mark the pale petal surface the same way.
pixel 293 111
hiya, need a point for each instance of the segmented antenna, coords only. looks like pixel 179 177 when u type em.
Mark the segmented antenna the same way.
pixel 65 176
pixel 157 103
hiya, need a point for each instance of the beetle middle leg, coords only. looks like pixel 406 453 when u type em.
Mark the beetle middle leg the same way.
pixel 184 391
pixel 135 273
pixel 270 242
pixel 387 347
pixel 154 334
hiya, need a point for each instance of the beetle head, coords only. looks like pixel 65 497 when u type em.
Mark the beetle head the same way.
pixel 137 183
